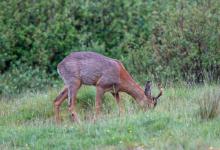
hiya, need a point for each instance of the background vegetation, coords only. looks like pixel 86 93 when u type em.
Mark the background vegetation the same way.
pixel 164 40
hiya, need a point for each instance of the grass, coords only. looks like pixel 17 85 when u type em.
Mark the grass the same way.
pixel 27 122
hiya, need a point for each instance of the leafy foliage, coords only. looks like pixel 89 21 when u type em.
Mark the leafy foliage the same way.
pixel 162 39
pixel 22 78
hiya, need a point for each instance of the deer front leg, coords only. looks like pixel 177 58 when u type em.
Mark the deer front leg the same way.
pixel 99 95
pixel 57 103
pixel 72 92
pixel 119 103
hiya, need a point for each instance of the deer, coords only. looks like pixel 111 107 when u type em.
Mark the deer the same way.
pixel 106 74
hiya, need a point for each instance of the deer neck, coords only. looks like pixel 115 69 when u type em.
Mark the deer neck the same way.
pixel 133 89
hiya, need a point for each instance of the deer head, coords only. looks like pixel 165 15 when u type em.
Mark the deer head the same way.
pixel 147 92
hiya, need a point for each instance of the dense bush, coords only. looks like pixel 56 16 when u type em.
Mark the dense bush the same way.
pixel 162 39
pixel 21 78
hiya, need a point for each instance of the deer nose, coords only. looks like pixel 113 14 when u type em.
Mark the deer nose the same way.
pixel 153 103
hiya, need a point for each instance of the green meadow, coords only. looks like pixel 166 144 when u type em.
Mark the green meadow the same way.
pixel 186 117
pixel 175 42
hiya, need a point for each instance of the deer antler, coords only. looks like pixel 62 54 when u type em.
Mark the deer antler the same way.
pixel 160 89
pixel 160 93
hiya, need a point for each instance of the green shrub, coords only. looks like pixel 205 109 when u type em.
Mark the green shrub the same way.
pixel 156 39
pixel 23 77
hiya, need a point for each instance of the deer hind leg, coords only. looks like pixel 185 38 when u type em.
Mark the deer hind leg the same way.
pixel 57 103
pixel 72 92
pixel 119 103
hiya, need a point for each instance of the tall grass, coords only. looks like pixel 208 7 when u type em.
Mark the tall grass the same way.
pixel 27 122
pixel 209 104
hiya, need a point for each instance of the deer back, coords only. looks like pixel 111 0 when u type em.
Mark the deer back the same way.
pixel 89 67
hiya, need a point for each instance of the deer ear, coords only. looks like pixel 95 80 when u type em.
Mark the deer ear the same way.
pixel 147 90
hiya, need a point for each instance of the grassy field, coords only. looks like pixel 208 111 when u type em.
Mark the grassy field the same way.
pixel 185 118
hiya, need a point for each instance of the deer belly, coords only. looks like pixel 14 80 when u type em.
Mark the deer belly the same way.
pixel 90 78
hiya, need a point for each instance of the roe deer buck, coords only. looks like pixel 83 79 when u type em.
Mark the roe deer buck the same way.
pixel 106 74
